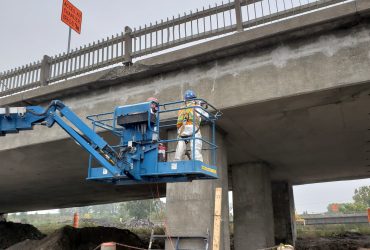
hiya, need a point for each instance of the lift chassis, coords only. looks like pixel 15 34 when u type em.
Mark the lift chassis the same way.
pixel 135 159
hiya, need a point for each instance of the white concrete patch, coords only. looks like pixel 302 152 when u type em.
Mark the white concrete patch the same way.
pixel 280 56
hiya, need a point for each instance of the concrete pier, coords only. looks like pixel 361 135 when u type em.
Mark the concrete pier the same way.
pixel 190 206
pixel 253 210
pixel 284 212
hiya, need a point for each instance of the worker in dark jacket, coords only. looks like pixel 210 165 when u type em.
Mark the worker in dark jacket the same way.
pixel 154 110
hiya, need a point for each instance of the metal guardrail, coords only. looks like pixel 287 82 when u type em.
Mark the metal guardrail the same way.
pixel 122 48
pixel 321 219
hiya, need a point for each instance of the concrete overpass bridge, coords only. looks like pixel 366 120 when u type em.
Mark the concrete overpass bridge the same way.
pixel 295 98
pixel 325 219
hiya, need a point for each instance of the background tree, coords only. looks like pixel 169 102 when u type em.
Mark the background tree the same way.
pixel 143 209
pixel 67 211
pixel 362 196
pixel 361 201
pixel 23 217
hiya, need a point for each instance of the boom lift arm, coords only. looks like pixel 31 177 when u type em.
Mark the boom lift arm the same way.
pixel 13 120
pixel 134 160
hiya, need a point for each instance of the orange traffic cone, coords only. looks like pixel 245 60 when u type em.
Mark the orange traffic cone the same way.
pixel 75 220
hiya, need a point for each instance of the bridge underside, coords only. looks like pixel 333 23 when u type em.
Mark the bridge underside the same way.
pixel 52 175
pixel 305 139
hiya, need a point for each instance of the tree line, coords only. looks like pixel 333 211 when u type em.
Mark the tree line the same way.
pixel 360 204
pixel 140 209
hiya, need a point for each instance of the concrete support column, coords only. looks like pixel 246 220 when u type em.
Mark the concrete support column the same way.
pixel 190 206
pixel 284 212
pixel 252 202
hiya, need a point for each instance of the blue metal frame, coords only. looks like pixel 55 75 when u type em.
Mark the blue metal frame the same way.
pixel 135 159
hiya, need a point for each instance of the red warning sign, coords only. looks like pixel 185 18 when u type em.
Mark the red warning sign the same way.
pixel 71 16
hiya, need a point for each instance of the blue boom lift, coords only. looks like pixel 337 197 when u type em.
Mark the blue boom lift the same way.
pixel 135 159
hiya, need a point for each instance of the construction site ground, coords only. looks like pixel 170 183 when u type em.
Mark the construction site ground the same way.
pixel 17 236
pixel 346 241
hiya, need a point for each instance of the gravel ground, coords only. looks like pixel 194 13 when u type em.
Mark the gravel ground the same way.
pixel 69 238
pixel 346 241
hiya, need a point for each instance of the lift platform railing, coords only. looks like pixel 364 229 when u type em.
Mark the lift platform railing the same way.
pixel 105 121
pixel 208 113
pixel 148 127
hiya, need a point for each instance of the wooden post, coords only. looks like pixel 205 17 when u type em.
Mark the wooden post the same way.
pixel 217 219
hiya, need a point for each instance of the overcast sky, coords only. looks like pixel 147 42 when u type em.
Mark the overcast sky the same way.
pixel 31 29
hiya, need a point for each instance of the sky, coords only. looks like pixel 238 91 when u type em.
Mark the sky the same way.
pixel 31 29
pixel 314 198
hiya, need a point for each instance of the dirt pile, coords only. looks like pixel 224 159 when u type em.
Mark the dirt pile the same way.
pixel 89 238
pixel 346 241
pixel 12 233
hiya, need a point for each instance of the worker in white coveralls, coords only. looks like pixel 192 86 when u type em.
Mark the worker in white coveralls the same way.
pixel 188 122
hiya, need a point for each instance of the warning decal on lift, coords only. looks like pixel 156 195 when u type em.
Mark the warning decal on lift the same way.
pixel 173 166
pixel 214 171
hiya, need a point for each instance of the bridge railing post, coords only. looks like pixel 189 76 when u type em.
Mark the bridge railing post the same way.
pixel 45 70
pixel 238 15
pixel 128 45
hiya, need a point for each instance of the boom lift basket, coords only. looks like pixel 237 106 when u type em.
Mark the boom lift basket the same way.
pixel 140 131
pixel 139 155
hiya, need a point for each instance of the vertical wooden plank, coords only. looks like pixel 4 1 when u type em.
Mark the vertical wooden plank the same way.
pixel 217 219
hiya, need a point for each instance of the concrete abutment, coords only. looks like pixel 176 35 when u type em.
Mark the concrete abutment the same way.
pixel 263 209
pixel 284 212
pixel 253 209
pixel 190 206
